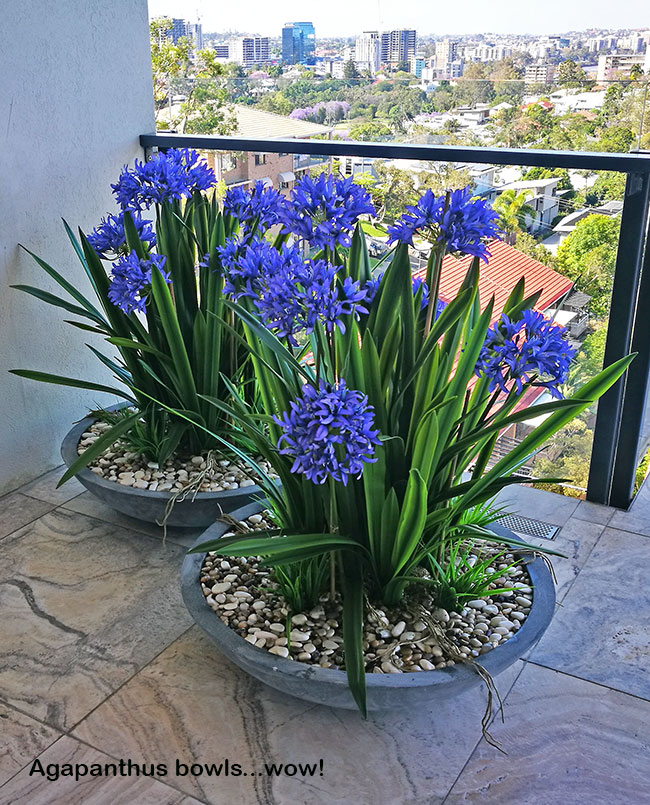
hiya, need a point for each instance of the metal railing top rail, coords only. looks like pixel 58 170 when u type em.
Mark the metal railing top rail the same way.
pixel 578 160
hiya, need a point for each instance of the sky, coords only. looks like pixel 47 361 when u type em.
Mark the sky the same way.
pixel 349 17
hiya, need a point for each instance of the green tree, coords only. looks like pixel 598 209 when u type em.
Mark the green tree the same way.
pixel 205 109
pixel 350 71
pixel 370 130
pixel 617 139
pixel 514 213
pixel 571 76
pixel 551 173
pixel 609 186
pixel 527 244
pixel 588 256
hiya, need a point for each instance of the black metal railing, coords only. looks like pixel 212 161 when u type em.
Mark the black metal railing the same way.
pixel 619 420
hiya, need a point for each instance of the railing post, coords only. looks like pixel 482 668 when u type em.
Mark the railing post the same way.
pixel 636 395
pixel 625 293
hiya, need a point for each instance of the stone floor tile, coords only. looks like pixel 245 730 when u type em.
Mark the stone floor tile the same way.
pixel 637 518
pixel 16 510
pixel 190 703
pixel 594 512
pixel 602 630
pixel 537 503
pixel 576 540
pixel 84 606
pixel 44 487
pixel 91 506
pixel 37 789
pixel 22 740
pixel 567 741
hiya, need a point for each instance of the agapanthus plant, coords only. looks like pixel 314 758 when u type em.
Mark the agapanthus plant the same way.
pixel 375 482
pixel 160 305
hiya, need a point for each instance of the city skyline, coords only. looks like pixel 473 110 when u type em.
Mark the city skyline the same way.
pixel 339 18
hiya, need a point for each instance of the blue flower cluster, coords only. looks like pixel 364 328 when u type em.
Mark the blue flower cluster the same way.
pixel 262 205
pixel 531 350
pixel 324 211
pixel 109 238
pixel 462 224
pixel 291 294
pixel 329 433
pixel 174 174
pixel 131 280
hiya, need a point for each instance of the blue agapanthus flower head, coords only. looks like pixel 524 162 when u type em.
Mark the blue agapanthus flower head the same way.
pixel 290 293
pixel 459 223
pixel 329 432
pixel 131 281
pixel 306 292
pixel 168 175
pixel 532 350
pixel 260 206
pixel 109 239
pixel 324 211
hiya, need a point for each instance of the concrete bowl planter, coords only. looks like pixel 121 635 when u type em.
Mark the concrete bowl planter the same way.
pixel 196 511
pixel 384 691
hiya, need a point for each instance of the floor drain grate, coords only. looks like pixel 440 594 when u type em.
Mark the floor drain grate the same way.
pixel 526 527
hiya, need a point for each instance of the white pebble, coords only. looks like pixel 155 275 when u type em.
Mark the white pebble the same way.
pixel 397 630
pixel 281 651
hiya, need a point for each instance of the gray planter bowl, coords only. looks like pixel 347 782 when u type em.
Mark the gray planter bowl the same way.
pixel 197 511
pixel 384 691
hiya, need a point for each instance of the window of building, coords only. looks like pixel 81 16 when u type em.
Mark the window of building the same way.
pixel 260 159
pixel 228 162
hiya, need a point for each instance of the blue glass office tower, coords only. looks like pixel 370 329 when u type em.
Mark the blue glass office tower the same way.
pixel 298 43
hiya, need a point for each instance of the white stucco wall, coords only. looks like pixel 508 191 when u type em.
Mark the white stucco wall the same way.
pixel 75 93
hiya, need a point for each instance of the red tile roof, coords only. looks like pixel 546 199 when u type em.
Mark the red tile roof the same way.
pixel 505 268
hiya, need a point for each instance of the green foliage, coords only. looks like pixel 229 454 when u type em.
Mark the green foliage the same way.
pixel 572 76
pixel 515 214
pixel 550 173
pixel 372 130
pixel 617 139
pixel 409 510
pixel 609 186
pixel 183 353
pixel 588 256
pixel 198 78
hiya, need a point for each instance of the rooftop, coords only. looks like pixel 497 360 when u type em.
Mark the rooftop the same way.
pixel 257 124
pixel 506 267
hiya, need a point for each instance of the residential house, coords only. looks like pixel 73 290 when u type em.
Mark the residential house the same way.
pixel 275 170
pixel 542 197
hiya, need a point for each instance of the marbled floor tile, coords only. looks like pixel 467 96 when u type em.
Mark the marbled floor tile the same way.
pixel 537 503
pixel 17 510
pixel 37 789
pixel 44 487
pixel 84 606
pixel 567 741
pixel 21 740
pixel 576 540
pixel 594 512
pixel 602 631
pixel 191 704
pixel 637 519
pixel 93 507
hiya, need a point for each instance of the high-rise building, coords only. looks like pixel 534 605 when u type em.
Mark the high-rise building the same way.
pixel 188 30
pixel 298 43
pixel 542 73
pixel 368 51
pixel 398 46
pixel 446 51
pixel 249 50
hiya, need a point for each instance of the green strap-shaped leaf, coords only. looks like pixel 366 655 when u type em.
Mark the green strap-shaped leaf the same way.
pixel 412 518
pixel 60 380
pixel 56 301
pixel 165 306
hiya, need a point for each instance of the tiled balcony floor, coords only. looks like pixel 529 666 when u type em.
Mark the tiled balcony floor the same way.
pixel 99 661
